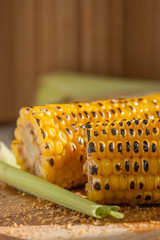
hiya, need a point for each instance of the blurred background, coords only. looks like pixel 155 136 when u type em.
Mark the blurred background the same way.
pixel 76 50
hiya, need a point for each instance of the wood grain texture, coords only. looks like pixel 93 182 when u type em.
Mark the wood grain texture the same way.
pixel 116 38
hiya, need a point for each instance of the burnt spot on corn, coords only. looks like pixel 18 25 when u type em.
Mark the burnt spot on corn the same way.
pixel 121 124
pixel 81 115
pixel 97 186
pixel 122 132
pixel 58 107
pixel 38 121
pixel 127 166
pixel 136 122
pixel 86 113
pixel 75 128
pixel 104 124
pixel 107 187
pixel 80 106
pixel 147 132
pixel 148 197
pixel 47 146
pixel 141 185
pixel 88 134
pixel 59 118
pixel 120 147
pixel 101 147
pixel 154 130
pixel 145 146
pixel 128 123
pixel 139 132
pixel 73 115
pixel 132 185
pixel 100 104
pixel 68 131
pixel 93 170
pixel 101 113
pixel 128 146
pixel 73 147
pixel 119 109
pixel 96 133
pixel 131 131
pixel 94 114
pixel 117 167
pixel 154 147
pixel 131 107
pixel 147 115
pixel 112 124
pixel 43 133
pixel 145 121
pixel 113 111
pixel 114 131
pixel 136 166
pixel 81 158
pixel 158 114
pixel 138 196
pixel 91 147
pixel 140 99
pixel 136 147
pixel 51 161
pixel 88 125
pixel 111 147
pixel 83 127
pixel 145 165
pixel 104 131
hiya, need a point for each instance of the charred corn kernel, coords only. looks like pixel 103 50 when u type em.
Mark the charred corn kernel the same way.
pixel 64 125
pixel 133 174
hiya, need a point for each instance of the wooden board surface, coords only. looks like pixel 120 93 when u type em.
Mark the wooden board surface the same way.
pixel 26 217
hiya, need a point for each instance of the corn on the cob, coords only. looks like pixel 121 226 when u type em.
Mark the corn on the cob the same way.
pixel 50 140
pixel 123 161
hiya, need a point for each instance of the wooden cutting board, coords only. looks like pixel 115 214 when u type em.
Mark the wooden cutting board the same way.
pixel 25 217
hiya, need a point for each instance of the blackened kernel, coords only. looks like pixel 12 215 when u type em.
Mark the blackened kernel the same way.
pixel 83 127
pixel 145 121
pixel 81 115
pixel 104 131
pixel 88 134
pixel 139 132
pixel 107 187
pixel 131 131
pixel 117 167
pixel 145 146
pixel 154 147
pixel 97 186
pixel 93 170
pixel 114 131
pixel 119 109
pixel 101 148
pixel 128 123
pixel 101 113
pixel 132 185
pixel 91 147
pixel 94 114
pixel 80 106
pixel 147 132
pixel 154 130
pixel 147 115
pixel 38 121
pixel 136 166
pixel 126 101
pixel 120 147
pixel 73 115
pixel 96 133
pixel 136 147
pixel 158 114
pixel 68 131
pixel 111 147
pixel 104 124
pixel 141 185
pixel 121 124
pixel 59 118
pixel 81 158
pixel 138 196
pixel 140 99
pixel 47 146
pixel 128 146
pixel 145 165
pixel 100 104
pixel 148 197
pixel 43 133
pixel 131 107
pixel 127 166
pixel 122 132
pixel 113 111
pixel 136 122
pixel 51 161
pixel 86 113
pixel 88 125
pixel 112 124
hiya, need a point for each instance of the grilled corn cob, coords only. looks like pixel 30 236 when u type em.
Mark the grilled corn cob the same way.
pixel 123 161
pixel 50 140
